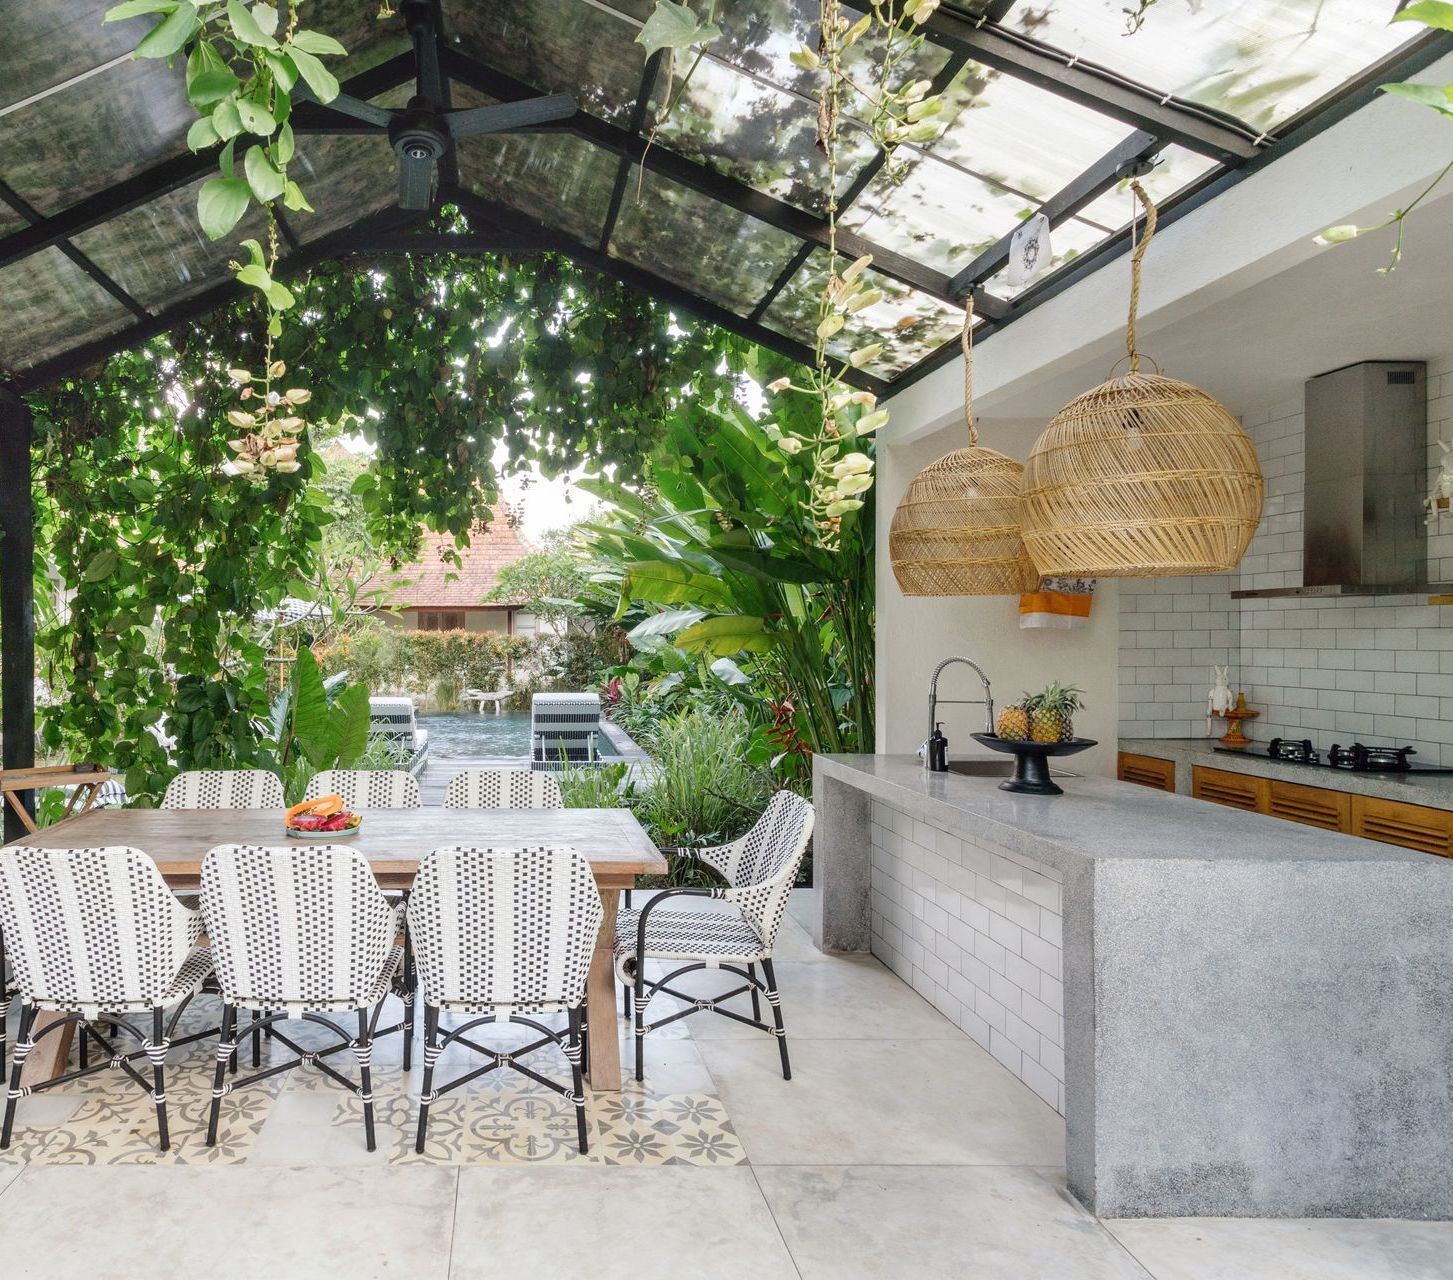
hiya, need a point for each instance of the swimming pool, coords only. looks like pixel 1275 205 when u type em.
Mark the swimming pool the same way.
pixel 457 734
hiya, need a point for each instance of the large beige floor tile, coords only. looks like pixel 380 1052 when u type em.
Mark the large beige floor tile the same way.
pixel 287 1224
pixel 838 999
pixel 8 1174
pixel 1289 1249
pixel 634 1224
pixel 991 1223
pixel 303 1129
pixel 881 1102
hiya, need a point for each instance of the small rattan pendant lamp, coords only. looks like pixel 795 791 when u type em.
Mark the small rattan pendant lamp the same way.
pixel 956 532
pixel 1141 477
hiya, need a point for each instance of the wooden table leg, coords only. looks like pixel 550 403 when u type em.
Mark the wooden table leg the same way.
pixel 48 1059
pixel 604 1066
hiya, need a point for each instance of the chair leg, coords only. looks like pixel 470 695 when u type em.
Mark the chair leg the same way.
pixel 156 1051
pixel 22 1047
pixel 410 986
pixel 775 1000
pixel 84 1048
pixel 363 1051
pixel 573 1052
pixel 756 1001
pixel 431 1055
pixel 226 1051
pixel 4 1016
pixel 638 1007
pixel 256 1039
pixel 626 1001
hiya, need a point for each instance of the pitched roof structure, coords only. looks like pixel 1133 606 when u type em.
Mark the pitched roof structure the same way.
pixel 431 582
pixel 1048 106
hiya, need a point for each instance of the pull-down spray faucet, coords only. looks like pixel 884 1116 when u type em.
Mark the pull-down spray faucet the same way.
pixel 987 701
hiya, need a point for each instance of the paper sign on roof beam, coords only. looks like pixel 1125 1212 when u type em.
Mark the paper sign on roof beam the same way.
pixel 1029 251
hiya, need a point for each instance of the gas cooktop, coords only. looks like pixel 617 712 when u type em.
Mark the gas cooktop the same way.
pixel 1356 757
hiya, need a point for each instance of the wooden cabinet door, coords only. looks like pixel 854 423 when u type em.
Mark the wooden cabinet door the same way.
pixel 1413 826
pixel 1238 790
pixel 1314 806
pixel 1147 771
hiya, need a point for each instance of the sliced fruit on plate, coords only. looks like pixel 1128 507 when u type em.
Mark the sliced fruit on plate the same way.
pixel 323 807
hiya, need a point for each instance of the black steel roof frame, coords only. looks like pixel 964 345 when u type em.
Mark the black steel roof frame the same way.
pixel 964 37
pixel 1312 120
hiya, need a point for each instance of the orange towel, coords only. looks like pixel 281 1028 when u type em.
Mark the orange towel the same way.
pixel 1057 602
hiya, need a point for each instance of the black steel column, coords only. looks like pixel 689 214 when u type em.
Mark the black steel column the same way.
pixel 17 601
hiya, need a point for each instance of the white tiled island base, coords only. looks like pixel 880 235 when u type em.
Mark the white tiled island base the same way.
pixel 1237 1016
pixel 978 934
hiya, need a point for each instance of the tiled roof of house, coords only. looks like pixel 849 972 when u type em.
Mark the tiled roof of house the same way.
pixel 431 582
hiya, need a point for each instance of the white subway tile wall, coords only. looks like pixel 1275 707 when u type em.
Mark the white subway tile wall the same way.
pixel 976 934
pixel 1379 668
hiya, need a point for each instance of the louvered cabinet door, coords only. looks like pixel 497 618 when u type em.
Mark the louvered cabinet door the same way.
pixel 1313 806
pixel 1413 826
pixel 1236 790
pixel 1146 771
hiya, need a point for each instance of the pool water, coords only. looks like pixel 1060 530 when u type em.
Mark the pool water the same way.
pixel 467 734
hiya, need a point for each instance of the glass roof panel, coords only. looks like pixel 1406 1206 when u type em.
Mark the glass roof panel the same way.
pixel 691 240
pixel 750 131
pixel 359 28
pixel 101 131
pixel 910 324
pixel 48 44
pixel 557 179
pixel 1025 139
pixel 558 45
pixel 1260 60
pixel 51 305
pixel 940 216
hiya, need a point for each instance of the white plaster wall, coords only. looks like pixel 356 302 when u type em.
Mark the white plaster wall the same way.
pixel 916 633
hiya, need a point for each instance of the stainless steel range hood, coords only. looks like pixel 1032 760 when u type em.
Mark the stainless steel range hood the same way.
pixel 1365 447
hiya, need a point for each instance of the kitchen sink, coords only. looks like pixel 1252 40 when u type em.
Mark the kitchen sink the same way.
pixel 982 768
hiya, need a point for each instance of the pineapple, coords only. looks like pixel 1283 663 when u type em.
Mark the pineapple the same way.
pixel 1013 722
pixel 1050 717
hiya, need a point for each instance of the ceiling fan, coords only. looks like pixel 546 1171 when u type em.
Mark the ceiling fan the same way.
pixel 423 131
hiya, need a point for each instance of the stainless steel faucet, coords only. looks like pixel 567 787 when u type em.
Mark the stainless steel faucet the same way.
pixel 933 700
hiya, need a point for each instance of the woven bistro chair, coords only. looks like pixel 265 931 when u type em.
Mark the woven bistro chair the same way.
pixel 505 935
pixel 298 933
pixel 503 789
pixel 224 789
pixel 367 788
pixel 759 869
pixel 96 935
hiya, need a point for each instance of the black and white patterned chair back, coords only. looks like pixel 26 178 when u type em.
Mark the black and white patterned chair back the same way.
pixel 92 928
pixel 295 928
pixel 510 927
pixel 364 789
pixel 224 789
pixel 762 866
pixel 503 789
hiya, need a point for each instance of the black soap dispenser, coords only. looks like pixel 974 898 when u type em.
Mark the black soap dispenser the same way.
pixel 937 750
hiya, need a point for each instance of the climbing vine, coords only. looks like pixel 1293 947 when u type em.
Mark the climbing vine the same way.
pixel 439 363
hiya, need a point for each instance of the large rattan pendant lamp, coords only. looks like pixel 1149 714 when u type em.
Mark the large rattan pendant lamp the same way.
pixel 1141 477
pixel 956 532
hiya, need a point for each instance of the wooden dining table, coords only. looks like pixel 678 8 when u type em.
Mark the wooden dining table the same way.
pixel 393 841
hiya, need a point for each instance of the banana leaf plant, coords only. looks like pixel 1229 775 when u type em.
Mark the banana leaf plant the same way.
pixel 317 724
pixel 725 562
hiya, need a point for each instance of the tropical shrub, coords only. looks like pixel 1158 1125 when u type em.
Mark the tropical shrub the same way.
pixel 316 725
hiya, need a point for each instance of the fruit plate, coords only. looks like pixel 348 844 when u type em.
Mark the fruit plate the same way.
pixel 293 833
pixel 1031 770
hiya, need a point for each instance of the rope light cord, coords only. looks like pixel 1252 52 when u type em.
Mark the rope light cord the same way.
pixel 1136 259
pixel 967 341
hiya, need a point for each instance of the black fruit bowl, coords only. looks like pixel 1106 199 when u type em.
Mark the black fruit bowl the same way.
pixel 1031 762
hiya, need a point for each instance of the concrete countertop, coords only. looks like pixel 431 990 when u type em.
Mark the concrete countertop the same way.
pixel 1433 790
pixel 1099 818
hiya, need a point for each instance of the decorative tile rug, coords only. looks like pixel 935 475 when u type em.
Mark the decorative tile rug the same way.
pixel 500 1118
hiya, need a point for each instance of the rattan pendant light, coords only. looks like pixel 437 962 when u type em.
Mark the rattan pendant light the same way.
pixel 1141 477
pixel 956 532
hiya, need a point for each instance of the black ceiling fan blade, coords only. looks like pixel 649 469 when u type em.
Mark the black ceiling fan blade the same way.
pixel 510 115
pixel 347 106
pixel 416 181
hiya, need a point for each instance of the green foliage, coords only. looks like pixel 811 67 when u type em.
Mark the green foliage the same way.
pixel 545 581
pixel 316 725
pixel 718 569
pixel 596 786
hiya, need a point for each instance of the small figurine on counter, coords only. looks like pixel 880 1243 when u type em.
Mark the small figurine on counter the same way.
pixel 1220 699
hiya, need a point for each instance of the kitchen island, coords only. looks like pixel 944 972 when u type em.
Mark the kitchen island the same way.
pixel 1235 1015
